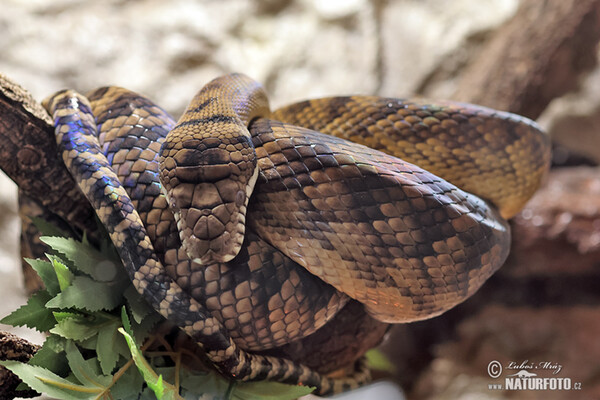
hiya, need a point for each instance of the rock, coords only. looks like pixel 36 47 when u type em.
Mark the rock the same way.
pixel 425 44
pixel 568 206
pixel 563 337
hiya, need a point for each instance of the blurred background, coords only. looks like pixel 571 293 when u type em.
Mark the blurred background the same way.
pixel 535 58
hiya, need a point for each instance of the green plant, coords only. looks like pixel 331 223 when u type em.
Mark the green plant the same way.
pixel 105 342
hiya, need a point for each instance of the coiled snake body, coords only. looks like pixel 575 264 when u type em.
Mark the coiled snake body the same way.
pixel 250 233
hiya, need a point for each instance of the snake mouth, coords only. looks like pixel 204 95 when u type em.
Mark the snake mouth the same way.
pixel 214 235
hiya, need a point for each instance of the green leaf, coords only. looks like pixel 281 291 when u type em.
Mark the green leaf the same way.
pixel 210 383
pixel 378 361
pixel 62 272
pixel 76 328
pixel 90 343
pixel 85 293
pixel 269 391
pixel 163 390
pixel 46 272
pixel 126 323
pixel 34 314
pixel 55 343
pixel 138 307
pixel 93 364
pixel 140 361
pixel 109 346
pixel 144 316
pixel 128 386
pixel 22 387
pixel 103 267
pixel 47 382
pixel 62 315
pixel 158 387
pixel 83 370
pixel 47 228
pixel 142 331
pixel 150 377
pixel 52 356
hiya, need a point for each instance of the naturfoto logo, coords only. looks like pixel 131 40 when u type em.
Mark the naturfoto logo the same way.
pixel 525 379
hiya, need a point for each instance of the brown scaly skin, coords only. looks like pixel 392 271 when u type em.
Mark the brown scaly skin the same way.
pixel 405 243
pixel 498 156
pixel 246 294
pixel 402 241
pixel 208 167
pixel 76 136
pixel 125 105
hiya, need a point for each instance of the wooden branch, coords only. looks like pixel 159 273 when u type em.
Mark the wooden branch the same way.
pixel 28 155
pixel 18 349
pixel 537 56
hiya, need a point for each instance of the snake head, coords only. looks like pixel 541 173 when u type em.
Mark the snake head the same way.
pixel 209 168
pixel 208 183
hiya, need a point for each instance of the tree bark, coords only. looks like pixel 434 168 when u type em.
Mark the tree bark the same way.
pixel 18 349
pixel 535 57
pixel 28 155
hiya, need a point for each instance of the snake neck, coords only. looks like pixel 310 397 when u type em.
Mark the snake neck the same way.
pixel 209 168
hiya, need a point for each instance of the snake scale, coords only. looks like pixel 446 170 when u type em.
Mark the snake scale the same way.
pixel 251 230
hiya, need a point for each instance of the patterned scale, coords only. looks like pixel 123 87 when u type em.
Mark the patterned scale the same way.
pixel 328 219
pixel 208 167
pixel 498 156
pixel 247 295
pixel 399 239
pixel 130 132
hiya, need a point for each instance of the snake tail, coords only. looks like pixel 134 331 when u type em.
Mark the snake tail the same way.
pixel 209 168
pixel 76 132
